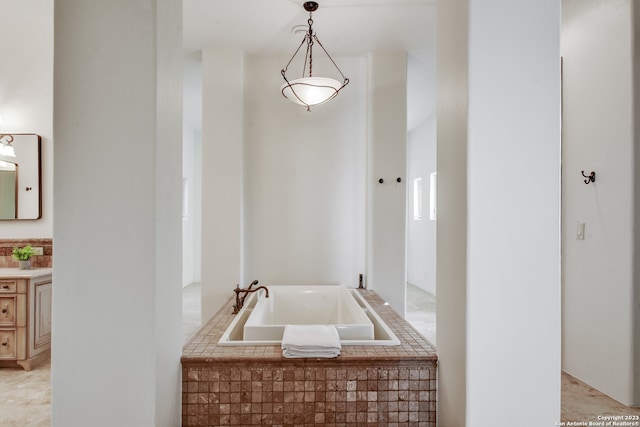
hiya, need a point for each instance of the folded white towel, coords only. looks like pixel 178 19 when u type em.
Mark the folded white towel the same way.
pixel 310 341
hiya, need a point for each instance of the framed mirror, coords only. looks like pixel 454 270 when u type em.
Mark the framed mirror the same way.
pixel 20 176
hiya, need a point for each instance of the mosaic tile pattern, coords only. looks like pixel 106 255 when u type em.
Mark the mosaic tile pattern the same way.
pixel 255 385
pixel 37 261
pixel 309 395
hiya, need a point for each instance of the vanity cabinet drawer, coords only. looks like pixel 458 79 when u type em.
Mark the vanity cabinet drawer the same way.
pixel 8 286
pixel 7 310
pixel 25 319
pixel 8 344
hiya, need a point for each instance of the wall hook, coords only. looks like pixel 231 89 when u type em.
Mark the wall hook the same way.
pixel 381 181
pixel 590 178
pixel 399 179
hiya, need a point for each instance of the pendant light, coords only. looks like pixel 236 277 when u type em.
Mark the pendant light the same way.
pixel 310 90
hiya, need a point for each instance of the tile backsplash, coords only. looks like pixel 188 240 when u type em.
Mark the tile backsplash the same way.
pixel 37 261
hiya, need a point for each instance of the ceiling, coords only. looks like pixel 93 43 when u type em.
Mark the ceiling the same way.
pixel 345 28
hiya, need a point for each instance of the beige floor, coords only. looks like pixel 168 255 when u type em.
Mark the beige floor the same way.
pixel 190 310
pixel 583 403
pixel 25 396
pixel 421 312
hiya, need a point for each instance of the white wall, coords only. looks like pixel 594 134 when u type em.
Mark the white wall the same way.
pixel 598 288
pixel 421 234
pixel 451 226
pixel 514 127
pixel 222 177
pixel 285 194
pixel 498 117
pixel 190 205
pixel 117 339
pixel 191 168
pixel 304 180
pixel 387 159
pixel 26 95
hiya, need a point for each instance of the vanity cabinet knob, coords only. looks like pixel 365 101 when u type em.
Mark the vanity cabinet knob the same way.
pixel 5 286
pixel 4 310
pixel 4 344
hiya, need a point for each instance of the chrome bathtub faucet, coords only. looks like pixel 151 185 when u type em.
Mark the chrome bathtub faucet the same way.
pixel 240 301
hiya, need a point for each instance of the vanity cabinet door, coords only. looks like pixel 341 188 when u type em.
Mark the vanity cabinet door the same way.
pixel 42 333
pixel 8 344
pixel 7 310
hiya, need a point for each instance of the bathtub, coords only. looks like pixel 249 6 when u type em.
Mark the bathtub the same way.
pixel 262 320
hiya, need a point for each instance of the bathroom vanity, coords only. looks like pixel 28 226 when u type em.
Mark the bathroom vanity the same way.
pixel 25 317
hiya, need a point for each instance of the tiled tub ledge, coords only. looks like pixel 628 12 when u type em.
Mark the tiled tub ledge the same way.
pixel 255 385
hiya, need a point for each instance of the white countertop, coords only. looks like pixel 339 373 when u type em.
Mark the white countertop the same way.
pixel 16 273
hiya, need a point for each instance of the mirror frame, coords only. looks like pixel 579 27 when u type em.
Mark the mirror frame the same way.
pixel 38 163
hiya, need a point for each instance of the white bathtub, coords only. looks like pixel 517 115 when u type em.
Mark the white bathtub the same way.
pixel 262 320
pixel 307 305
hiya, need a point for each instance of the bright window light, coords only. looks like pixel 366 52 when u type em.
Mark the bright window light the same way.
pixel 185 198
pixel 433 186
pixel 417 199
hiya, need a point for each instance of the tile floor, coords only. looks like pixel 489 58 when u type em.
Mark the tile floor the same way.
pixel 191 321
pixel 421 312
pixel 25 395
pixel 583 403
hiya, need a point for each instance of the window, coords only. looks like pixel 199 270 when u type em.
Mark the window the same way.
pixel 417 199
pixel 433 186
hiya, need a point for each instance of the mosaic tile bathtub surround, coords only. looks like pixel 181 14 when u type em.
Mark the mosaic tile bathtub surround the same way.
pixel 255 385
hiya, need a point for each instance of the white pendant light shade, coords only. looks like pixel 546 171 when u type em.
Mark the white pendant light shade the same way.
pixel 310 91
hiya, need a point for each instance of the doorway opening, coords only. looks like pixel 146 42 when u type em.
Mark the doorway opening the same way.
pixel 421 197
